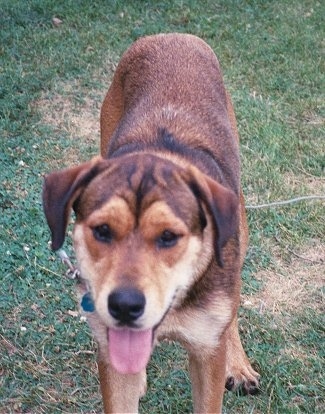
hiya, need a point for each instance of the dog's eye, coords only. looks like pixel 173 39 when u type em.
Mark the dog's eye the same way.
pixel 167 239
pixel 103 233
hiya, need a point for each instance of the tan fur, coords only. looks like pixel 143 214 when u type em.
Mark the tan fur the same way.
pixel 135 261
pixel 169 143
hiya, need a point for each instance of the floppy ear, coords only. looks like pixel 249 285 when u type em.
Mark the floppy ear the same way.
pixel 222 204
pixel 60 190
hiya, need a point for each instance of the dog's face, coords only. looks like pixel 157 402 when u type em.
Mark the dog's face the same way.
pixel 145 230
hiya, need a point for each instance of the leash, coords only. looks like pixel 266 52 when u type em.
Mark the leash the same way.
pixel 284 202
pixel 87 302
pixel 73 272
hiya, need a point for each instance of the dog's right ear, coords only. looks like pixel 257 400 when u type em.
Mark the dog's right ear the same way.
pixel 60 190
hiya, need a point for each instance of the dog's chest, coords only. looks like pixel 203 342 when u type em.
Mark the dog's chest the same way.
pixel 195 327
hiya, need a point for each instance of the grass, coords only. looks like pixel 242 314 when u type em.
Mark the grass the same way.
pixel 52 82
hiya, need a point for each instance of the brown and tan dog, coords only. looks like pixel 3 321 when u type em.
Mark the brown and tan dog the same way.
pixel 160 233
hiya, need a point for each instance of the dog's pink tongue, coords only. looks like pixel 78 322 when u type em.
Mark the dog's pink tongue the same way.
pixel 129 350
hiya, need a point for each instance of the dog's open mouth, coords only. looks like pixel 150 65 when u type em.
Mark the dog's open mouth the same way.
pixel 129 349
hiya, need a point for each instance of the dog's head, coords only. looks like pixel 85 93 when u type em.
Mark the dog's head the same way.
pixel 145 229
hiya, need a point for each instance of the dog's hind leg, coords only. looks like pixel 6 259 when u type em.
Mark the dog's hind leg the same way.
pixel 239 372
pixel 121 393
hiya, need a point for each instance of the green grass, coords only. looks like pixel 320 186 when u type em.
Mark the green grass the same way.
pixel 52 81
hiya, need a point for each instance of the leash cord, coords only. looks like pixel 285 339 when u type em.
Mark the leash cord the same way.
pixel 284 202
pixel 73 272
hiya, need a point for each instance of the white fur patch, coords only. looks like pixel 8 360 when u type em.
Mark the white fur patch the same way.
pixel 200 328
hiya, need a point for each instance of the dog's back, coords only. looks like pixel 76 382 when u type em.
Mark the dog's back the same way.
pixel 175 101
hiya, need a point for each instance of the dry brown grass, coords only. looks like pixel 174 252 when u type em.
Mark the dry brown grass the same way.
pixel 76 119
pixel 305 181
pixel 291 288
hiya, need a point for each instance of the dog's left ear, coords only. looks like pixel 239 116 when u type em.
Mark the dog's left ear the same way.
pixel 222 204
pixel 60 190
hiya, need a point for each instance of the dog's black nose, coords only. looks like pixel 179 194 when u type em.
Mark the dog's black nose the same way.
pixel 126 304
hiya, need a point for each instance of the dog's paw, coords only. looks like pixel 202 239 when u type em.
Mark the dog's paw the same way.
pixel 239 372
pixel 244 378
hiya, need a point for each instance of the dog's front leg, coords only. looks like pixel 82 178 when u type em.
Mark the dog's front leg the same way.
pixel 207 371
pixel 120 392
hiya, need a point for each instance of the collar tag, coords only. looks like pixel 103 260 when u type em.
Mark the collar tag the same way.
pixel 87 303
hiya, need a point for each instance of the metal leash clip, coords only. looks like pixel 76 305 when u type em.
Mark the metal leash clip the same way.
pixel 73 272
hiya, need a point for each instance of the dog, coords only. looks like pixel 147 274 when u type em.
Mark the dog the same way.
pixel 160 234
